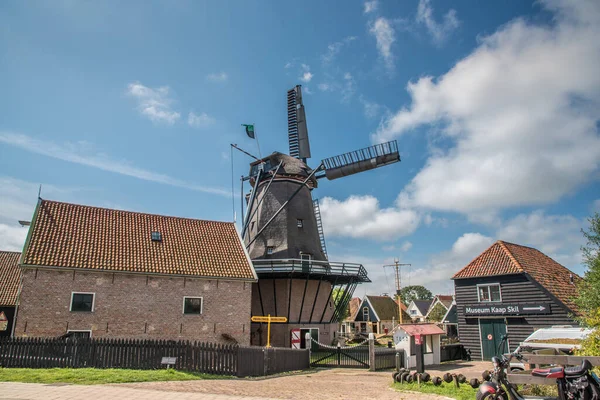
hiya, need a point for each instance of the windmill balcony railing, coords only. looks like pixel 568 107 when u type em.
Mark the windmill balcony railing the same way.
pixel 293 266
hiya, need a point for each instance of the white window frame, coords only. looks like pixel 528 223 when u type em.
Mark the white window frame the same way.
pixel 368 314
pixel 489 293
pixel 303 255
pixel 80 330
pixel 269 250
pixel 93 301
pixel 193 297
pixel 299 222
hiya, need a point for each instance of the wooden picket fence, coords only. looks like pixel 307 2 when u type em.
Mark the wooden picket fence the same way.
pixel 210 358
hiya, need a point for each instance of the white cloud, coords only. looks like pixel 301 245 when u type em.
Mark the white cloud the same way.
pixel 371 109
pixel 361 217
pixel 324 87
pixel 201 120
pixel 438 31
pixel 334 49
pixel 217 77
pixel 306 75
pixel 154 103
pixel 83 153
pixel 385 37
pixel 344 84
pixel 288 65
pixel 519 114
pixel 348 87
pixel 406 246
pixel 371 6
pixel 558 236
pixel 436 274
pixel 12 238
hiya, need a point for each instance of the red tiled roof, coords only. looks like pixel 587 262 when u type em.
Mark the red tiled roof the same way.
pixel 10 277
pixel 446 300
pixel 504 258
pixel 421 329
pixel 76 236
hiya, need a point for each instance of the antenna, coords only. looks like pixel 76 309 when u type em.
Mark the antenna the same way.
pixel 397 266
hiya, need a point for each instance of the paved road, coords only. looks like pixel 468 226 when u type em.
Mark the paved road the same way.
pixel 36 391
pixel 333 384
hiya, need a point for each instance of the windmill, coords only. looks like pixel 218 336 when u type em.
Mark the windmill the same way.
pixel 283 233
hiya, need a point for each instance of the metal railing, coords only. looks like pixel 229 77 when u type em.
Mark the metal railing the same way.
pixel 297 266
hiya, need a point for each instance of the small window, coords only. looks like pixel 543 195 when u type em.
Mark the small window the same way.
pixel 365 313
pixel 413 312
pixel 82 302
pixel 156 236
pixel 269 249
pixel 192 305
pixel 300 223
pixel 489 293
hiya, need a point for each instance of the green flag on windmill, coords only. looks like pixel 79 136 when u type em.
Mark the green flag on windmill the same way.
pixel 249 130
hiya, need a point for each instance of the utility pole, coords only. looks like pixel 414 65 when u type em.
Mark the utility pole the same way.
pixel 397 266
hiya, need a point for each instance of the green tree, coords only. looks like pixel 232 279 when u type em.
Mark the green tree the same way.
pixel 337 296
pixel 588 299
pixel 414 292
pixel 437 313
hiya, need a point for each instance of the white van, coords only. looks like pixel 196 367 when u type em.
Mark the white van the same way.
pixel 560 339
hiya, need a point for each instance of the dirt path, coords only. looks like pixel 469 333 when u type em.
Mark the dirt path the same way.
pixel 331 384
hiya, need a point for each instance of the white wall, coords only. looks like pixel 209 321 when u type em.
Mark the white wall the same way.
pixel 402 341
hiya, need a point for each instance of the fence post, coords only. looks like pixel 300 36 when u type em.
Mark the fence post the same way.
pixel 371 352
pixel 398 364
pixel 308 342
pixel 265 361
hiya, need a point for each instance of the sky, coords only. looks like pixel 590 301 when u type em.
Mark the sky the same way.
pixel 133 105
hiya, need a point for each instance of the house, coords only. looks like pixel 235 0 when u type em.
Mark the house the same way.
pixel 377 314
pixel 347 325
pixel 450 323
pixel 406 337
pixel 10 277
pixel 514 289
pixel 439 307
pixel 101 272
pixel 417 309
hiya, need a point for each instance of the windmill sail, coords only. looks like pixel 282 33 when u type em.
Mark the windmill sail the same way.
pixel 361 160
pixel 297 130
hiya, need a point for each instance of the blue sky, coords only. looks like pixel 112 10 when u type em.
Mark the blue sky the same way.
pixel 133 105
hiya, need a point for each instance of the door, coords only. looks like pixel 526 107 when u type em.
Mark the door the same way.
pixel 492 331
pixel 314 333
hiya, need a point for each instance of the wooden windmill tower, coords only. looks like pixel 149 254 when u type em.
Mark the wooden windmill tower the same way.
pixel 283 234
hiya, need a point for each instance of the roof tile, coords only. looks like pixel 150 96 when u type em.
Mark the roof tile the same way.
pixel 504 258
pixel 77 236
pixel 10 277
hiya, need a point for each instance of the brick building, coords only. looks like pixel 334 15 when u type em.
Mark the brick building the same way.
pixel 111 273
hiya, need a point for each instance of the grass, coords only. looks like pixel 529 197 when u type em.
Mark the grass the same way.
pixel 464 392
pixel 92 376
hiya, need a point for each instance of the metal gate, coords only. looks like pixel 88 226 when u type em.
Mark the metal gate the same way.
pixel 356 356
